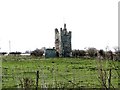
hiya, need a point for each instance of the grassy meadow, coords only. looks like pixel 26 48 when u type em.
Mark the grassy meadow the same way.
pixel 55 72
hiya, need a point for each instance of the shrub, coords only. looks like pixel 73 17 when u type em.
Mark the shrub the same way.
pixel 78 53
pixel 37 52
pixel 14 53
pixel 3 53
pixel 82 53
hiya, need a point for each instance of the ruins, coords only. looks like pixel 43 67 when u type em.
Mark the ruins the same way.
pixel 63 42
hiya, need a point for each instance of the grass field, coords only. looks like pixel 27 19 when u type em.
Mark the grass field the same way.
pixel 55 72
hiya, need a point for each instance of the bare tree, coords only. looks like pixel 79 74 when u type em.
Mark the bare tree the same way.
pixel 92 52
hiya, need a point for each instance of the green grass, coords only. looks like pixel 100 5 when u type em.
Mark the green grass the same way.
pixel 55 72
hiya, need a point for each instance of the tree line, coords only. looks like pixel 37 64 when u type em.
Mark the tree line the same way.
pixel 94 53
pixel 88 53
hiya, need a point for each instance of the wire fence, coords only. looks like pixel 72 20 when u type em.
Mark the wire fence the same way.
pixel 53 77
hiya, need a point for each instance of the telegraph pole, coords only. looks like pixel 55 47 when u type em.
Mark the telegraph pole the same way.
pixel 119 35
pixel 9 46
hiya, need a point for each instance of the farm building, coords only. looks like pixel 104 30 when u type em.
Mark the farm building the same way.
pixel 50 53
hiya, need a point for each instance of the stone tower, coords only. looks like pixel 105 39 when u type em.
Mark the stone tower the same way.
pixel 63 42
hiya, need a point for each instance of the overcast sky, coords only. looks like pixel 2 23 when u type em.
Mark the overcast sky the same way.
pixel 30 24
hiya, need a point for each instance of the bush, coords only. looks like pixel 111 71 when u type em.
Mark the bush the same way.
pixel 37 52
pixel 82 53
pixel 78 53
pixel 14 53
pixel 102 52
pixel 3 53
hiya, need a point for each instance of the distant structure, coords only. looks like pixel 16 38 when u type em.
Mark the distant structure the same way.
pixel 50 53
pixel 63 42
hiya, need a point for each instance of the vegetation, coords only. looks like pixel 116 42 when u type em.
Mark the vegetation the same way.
pixel 20 71
pixel 37 52
pixel 78 53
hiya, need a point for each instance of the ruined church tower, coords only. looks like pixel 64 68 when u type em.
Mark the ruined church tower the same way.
pixel 63 42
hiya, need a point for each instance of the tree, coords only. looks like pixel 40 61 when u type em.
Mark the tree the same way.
pixel 37 52
pixel 78 53
pixel 75 53
pixel 92 52
pixel 109 55
pixel 101 54
pixel 15 53
pixel 117 52
pixel 3 53
pixel 81 53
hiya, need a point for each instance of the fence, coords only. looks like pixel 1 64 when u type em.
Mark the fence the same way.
pixel 56 73
pixel 0 73
pixel 48 80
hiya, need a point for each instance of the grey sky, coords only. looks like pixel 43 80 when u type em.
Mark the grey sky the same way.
pixel 30 24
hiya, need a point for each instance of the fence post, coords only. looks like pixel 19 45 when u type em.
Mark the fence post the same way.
pixel 37 78
pixel 109 79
